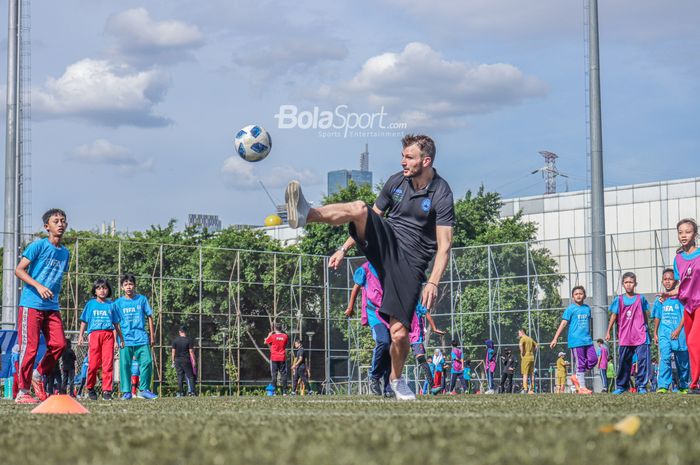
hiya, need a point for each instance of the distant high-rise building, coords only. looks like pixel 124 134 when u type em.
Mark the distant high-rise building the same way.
pixel 339 179
pixel 212 223
pixel 364 159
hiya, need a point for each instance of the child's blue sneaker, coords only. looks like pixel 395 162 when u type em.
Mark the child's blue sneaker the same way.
pixel 127 396
pixel 618 391
pixel 146 394
pixel 642 391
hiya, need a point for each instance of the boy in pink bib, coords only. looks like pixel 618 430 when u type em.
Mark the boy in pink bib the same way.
pixel 629 310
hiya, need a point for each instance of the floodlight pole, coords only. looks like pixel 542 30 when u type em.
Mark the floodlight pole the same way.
pixel 598 266
pixel 11 239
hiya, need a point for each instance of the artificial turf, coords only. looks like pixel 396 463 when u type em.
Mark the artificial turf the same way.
pixel 479 429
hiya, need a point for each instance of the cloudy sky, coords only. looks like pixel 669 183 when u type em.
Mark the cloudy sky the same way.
pixel 135 103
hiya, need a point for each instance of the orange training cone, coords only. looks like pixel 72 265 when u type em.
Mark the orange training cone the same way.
pixel 60 404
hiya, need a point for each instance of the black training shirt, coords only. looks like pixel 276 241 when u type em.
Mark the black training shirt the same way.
pixel 301 355
pixel 413 214
pixel 182 346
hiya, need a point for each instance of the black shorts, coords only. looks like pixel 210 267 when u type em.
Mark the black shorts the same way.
pixel 401 279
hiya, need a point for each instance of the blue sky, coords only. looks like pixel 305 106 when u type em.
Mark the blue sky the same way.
pixel 135 103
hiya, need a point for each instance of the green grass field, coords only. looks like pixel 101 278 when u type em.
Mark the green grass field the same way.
pixel 479 429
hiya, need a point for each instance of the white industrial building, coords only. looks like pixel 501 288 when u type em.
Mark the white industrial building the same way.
pixel 640 223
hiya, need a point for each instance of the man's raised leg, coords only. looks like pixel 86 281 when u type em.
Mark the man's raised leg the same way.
pixel 299 212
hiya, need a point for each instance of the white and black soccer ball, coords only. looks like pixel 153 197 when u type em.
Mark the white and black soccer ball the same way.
pixel 253 143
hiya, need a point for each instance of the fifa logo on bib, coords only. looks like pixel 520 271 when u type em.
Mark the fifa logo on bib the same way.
pixel 628 313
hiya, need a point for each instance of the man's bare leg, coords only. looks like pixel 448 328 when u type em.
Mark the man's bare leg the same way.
pixel 399 351
pixel 337 214
pixel 399 347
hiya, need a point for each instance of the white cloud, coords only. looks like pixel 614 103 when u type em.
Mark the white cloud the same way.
pixel 240 174
pixel 103 93
pixel 425 89
pixel 138 39
pixel 103 152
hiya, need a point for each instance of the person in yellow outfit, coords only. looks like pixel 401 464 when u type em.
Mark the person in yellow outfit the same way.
pixel 528 346
pixel 562 364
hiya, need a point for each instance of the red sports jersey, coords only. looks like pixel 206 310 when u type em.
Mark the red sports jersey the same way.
pixel 277 343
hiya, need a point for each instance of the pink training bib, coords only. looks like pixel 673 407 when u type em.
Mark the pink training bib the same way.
pixel 632 330
pixel 689 287
pixel 371 293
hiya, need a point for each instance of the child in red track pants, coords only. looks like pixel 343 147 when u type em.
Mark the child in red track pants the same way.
pixel 41 270
pixel 100 317
pixel 684 265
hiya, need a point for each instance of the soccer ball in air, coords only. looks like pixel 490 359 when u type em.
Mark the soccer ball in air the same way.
pixel 253 143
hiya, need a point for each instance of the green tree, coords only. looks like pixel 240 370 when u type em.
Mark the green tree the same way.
pixel 322 239
pixel 527 275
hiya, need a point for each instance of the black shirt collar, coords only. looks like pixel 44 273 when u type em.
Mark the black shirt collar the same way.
pixel 432 185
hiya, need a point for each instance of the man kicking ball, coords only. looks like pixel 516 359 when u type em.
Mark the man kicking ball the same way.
pixel 418 224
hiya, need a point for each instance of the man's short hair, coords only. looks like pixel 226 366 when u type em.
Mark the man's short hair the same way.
pixel 629 274
pixel 425 144
pixel 182 329
pixel 51 212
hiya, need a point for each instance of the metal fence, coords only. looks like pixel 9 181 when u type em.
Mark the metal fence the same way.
pixel 229 299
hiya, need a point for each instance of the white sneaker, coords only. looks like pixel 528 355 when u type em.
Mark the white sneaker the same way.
pixel 490 391
pixel 401 389
pixel 297 206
